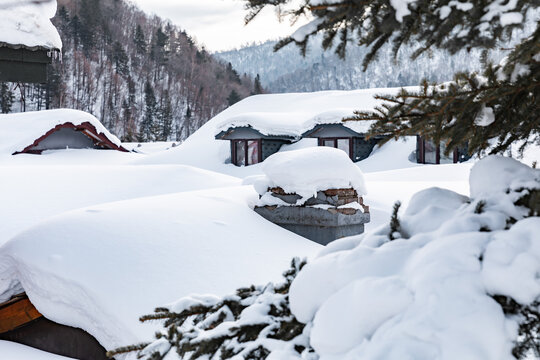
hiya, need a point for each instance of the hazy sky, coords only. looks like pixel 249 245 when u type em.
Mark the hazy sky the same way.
pixel 218 24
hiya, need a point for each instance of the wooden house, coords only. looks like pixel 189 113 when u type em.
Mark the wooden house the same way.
pixel 22 323
pixel 342 137
pixel 249 146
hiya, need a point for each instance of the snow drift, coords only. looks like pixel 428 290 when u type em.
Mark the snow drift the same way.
pixel 429 294
pixel 453 286
pixel 99 268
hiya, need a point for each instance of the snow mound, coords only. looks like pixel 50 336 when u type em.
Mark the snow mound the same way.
pixel 306 171
pixel 429 294
pixel 496 174
pixel 19 130
pixel 100 268
pixel 30 204
pixel 27 24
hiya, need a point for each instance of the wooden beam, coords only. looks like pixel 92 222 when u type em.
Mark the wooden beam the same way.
pixel 16 313
pixel 25 72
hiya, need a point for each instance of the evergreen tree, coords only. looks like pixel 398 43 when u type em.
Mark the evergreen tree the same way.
pixel 63 16
pixel 233 97
pixel 232 74
pixel 166 117
pixel 472 110
pixel 120 59
pixel 147 125
pixel 257 87
pixel 6 98
pixel 139 40
pixel 75 30
pixel 90 23
pixel 159 49
pixel 188 330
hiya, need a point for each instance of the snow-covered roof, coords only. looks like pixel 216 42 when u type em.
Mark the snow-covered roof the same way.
pixel 20 130
pixel 27 24
pixel 278 113
pixel 306 171
pixel 100 268
pixel 295 113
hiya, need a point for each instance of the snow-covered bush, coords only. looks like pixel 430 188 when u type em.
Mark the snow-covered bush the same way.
pixel 252 324
pixel 460 283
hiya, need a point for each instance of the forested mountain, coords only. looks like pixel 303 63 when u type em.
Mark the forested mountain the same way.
pixel 287 71
pixel 144 78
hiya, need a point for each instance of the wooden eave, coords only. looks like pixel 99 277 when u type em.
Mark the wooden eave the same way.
pixel 313 132
pixel 17 312
pixel 225 135
pixel 19 63
pixel 86 128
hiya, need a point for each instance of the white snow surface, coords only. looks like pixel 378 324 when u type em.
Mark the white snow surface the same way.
pixel 427 296
pixel 306 171
pixel 27 23
pixel 35 192
pixel 72 210
pixel 13 351
pixel 100 268
pixel 19 130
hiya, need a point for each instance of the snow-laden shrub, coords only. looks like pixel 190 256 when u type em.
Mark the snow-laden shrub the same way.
pixel 462 282
pixel 252 324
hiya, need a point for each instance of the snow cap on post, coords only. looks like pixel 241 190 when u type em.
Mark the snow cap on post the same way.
pixel 306 171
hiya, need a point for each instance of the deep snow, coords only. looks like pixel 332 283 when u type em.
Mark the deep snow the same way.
pixel 136 215
pixel 101 267
pixel 427 296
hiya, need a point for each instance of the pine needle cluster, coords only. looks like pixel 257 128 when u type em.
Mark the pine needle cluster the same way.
pixel 249 325
pixel 485 112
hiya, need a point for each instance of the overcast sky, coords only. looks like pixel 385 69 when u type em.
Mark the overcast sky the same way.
pixel 218 24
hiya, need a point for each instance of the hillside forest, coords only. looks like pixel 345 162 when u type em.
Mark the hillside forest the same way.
pixel 144 78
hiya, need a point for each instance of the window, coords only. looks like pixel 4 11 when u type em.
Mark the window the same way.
pixel 252 152
pixel 246 152
pixel 430 153
pixel 240 150
pixel 445 159
pixel 345 145
pixel 328 143
pixel 338 143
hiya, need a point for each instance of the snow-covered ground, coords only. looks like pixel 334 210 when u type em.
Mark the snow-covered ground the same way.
pixel 99 237
pixel 13 351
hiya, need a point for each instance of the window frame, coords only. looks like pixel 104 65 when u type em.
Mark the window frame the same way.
pixel 421 148
pixel 321 141
pixel 246 150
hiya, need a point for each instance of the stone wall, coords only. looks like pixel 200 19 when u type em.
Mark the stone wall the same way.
pixel 323 218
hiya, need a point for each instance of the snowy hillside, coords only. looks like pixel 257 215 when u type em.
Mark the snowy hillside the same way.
pixel 286 71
